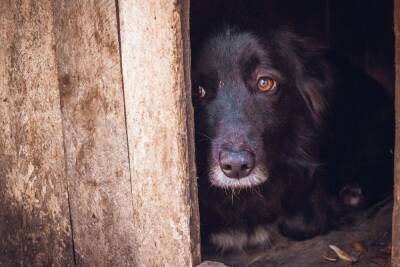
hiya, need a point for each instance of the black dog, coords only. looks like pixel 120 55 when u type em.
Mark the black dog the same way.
pixel 285 133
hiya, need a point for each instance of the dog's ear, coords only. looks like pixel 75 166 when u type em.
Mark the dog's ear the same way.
pixel 315 95
pixel 312 73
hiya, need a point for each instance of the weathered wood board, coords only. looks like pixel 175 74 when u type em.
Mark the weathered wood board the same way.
pixel 396 209
pixel 159 121
pixel 194 205
pixel 34 214
pixel 89 70
pixel 73 190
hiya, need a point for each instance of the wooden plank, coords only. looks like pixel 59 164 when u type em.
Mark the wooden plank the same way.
pixel 95 134
pixel 194 216
pixel 34 214
pixel 155 63
pixel 396 208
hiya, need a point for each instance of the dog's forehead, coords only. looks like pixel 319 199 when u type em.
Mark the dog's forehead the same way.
pixel 225 51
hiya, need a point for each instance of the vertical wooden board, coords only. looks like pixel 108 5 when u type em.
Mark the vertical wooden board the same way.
pixel 34 214
pixel 159 121
pixel 396 209
pixel 95 134
pixel 194 205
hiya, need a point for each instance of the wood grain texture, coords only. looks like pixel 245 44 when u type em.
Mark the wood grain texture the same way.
pixel 155 65
pixel 396 209
pixel 96 148
pixel 34 214
pixel 194 216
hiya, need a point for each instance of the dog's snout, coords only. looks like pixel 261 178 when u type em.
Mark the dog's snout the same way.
pixel 236 164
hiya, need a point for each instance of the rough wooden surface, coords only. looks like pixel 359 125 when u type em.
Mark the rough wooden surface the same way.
pixel 66 196
pixel 156 98
pixel 95 134
pixel 396 210
pixel 195 218
pixel 34 215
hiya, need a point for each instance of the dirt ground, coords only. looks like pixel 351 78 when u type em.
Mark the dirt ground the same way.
pixel 366 239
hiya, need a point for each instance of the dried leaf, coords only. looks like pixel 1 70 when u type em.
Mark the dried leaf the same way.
pixel 343 254
pixel 330 258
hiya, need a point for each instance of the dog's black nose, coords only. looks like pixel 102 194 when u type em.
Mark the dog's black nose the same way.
pixel 236 164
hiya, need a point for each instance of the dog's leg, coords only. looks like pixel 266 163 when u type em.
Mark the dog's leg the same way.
pixel 239 240
pixel 260 237
pixel 229 240
pixel 351 197
pixel 308 219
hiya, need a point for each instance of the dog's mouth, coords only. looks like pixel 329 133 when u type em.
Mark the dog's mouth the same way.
pixel 219 179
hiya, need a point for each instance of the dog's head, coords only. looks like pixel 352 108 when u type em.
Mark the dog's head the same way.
pixel 258 101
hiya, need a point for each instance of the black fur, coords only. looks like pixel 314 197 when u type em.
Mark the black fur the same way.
pixel 325 126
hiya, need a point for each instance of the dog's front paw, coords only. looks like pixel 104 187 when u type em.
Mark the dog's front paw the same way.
pixel 239 240
pixel 351 197
pixel 260 237
pixel 301 226
pixel 229 240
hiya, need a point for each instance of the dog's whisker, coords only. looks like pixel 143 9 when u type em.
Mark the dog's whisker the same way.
pixel 204 135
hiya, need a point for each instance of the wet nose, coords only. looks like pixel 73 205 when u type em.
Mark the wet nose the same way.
pixel 236 164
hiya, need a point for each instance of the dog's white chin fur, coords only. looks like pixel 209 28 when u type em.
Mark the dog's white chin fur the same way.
pixel 239 240
pixel 219 179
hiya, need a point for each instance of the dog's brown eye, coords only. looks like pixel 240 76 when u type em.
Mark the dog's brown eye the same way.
pixel 201 92
pixel 266 84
